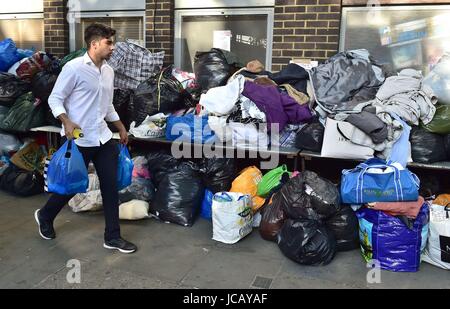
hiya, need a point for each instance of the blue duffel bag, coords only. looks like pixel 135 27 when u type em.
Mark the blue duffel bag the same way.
pixel 359 186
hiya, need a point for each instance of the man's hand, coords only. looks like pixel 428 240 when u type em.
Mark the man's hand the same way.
pixel 123 137
pixel 122 132
pixel 69 126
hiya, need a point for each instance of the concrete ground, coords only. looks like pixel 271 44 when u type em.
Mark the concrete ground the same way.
pixel 169 256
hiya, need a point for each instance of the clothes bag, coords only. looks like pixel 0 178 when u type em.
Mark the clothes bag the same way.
pixel 124 168
pixel 67 173
pixel 389 241
pixel 359 185
pixel 438 248
pixel 231 216
pixel 337 142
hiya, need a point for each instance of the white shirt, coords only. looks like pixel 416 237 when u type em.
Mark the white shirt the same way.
pixel 85 93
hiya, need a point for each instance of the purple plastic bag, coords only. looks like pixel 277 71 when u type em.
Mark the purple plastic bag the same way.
pixel 389 241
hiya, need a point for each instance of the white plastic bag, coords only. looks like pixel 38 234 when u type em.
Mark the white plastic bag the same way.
pixel 437 251
pixel 336 143
pixel 221 100
pixel 153 126
pixel 133 210
pixel 231 217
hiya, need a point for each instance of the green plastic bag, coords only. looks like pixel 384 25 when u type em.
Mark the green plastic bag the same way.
pixel 26 113
pixel 441 121
pixel 73 55
pixel 270 180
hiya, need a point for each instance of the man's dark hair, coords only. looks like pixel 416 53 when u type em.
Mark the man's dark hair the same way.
pixel 97 31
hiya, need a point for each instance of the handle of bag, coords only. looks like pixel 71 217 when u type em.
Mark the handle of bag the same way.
pixel 68 149
pixel 340 132
pixel 363 169
pixel 228 197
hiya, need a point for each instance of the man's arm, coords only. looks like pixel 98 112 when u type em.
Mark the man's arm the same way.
pixel 122 131
pixel 63 88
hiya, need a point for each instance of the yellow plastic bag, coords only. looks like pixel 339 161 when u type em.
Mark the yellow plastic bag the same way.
pixel 247 183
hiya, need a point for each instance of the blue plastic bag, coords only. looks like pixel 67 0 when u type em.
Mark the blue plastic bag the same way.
pixel 206 210
pixel 124 168
pixel 189 128
pixel 8 54
pixel 389 241
pixel 359 186
pixel 67 173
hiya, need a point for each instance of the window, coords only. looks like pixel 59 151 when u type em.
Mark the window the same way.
pixel 402 36
pixel 128 25
pixel 27 30
pixel 245 32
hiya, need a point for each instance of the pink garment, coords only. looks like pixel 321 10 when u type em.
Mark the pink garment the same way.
pixel 408 209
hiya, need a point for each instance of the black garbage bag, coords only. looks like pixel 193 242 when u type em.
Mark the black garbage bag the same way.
pixel 430 185
pixel 310 137
pixel 272 220
pixel 309 196
pixel 11 88
pixel 427 147
pixel 345 227
pixel 159 165
pixel 161 93
pixel 307 242
pixel 42 84
pixel 121 101
pixel 212 69
pixel 21 182
pixel 179 196
pixel 218 173
pixel 26 113
pixel 447 145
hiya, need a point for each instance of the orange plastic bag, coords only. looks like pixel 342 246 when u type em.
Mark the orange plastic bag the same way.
pixel 247 183
pixel 443 200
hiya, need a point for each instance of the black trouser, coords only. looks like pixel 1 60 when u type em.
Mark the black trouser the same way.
pixel 105 159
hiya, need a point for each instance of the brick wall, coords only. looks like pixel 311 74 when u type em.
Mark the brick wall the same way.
pixel 159 27
pixel 56 28
pixel 305 29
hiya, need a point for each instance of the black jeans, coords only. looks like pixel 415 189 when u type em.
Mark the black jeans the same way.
pixel 105 159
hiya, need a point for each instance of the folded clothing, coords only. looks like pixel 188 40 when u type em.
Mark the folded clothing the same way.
pixel 408 209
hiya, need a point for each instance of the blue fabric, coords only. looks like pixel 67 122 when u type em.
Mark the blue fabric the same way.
pixel 124 168
pixel 388 240
pixel 401 149
pixel 8 54
pixel 360 187
pixel 189 128
pixel 206 210
pixel 67 173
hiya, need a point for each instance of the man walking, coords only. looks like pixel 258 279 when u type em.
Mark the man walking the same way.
pixel 82 99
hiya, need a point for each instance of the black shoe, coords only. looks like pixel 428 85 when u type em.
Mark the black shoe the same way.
pixel 120 244
pixel 45 228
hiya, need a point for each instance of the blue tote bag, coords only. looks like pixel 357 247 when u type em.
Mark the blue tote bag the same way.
pixel 67 173
pixel 358 186
pixel 124 168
